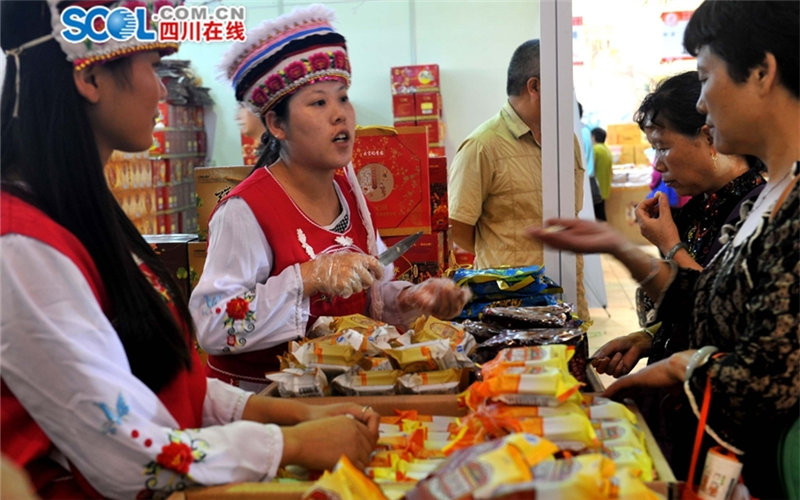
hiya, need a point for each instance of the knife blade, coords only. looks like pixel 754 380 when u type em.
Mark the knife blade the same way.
pixel 398 249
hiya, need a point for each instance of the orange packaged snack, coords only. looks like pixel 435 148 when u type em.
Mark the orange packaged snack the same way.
pixel 479 471
pixel 527 386
pixel 344 483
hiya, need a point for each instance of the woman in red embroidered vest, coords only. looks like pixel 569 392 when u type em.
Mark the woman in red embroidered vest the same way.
pixel 295 240
pixel 102 392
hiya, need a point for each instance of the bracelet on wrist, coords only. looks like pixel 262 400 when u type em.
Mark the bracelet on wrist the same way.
pixel 698 359
pixel 652 329
pixel 675 249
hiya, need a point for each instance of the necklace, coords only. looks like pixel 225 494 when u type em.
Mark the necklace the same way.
pixel 763 204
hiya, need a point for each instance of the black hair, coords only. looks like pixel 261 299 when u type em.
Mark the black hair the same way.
pixel 524 65
pixel 599 135
pixel 51 160
pixel 742 32
pixel 673 105
pixel 270 147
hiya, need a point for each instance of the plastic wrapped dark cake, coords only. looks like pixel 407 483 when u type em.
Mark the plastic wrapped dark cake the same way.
pixel 555 316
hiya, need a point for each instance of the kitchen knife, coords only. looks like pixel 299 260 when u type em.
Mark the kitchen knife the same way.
pixel 398 249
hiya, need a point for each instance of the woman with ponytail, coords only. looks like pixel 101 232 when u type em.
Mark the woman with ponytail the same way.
pixel 295 240
pixel 103 394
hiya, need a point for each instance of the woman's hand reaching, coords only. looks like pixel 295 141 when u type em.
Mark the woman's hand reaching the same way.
pixel 578 235
pixel 438 297
pixel 617 357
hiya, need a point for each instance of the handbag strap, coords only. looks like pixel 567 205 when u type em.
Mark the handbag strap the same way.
pixel 698 438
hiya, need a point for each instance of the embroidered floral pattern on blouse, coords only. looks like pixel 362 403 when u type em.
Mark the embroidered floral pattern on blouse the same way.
pixel 239 320
pixel 177 456
pixel 113 418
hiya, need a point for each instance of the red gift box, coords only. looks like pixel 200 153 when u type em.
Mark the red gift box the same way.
pixel 392 169
pixel 435 128
pixel 416 78
pixel 428 105
pixel 404 107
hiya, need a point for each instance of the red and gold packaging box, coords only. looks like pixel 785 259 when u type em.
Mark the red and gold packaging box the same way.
pixel 404 107
pixel 211 185
pixel 426 259
pixel 167 222
pixel 168 115
pixel 161 144
pixel 416 78
pixel 428 105
pixel 392 169
pixel 438 175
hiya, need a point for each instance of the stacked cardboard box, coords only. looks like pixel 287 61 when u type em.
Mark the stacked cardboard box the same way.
pixel 211 185
pixel 629 141
pixel 417 101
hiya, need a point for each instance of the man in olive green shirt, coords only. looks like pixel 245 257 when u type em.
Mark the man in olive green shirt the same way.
pixel 495 181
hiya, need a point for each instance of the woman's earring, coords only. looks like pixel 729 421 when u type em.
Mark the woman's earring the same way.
pixel 714 159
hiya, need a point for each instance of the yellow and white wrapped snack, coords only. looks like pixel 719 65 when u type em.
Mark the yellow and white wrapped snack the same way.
pixel 379 363
pixel 461 342
pixel 502 410
pixel 358 322
pixel 637 461
pixel 527 386
pixel 423 357
pixel 322 326
pixel 332 358
pixel 587 477
pixel 297 383
pixel 606 409
pixel 435 382
pixel 615 433
pixel 349 337
pixel 570 432
pixel 384 336
pixel 366 383
pixel 556 355
pixel 479 471
pixel 344 483
pixel 626 486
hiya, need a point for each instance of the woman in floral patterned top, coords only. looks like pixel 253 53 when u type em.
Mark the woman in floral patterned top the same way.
pixel 745 305
pixel 103 394
pixel 719 184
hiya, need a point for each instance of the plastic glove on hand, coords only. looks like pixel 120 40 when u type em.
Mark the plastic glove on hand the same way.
pixel 341 274
pixel 438 297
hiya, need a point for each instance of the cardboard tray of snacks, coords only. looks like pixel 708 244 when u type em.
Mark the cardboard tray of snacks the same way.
pixel 443 404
